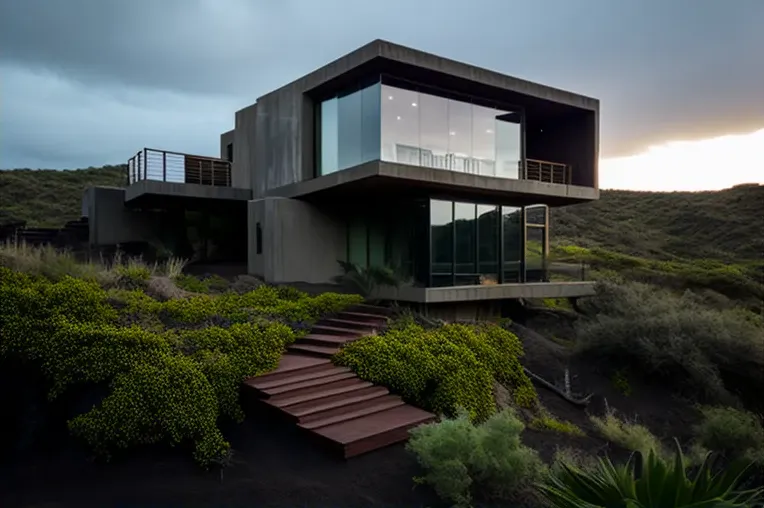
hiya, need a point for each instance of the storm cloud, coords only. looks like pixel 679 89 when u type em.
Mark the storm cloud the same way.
pixel 88 82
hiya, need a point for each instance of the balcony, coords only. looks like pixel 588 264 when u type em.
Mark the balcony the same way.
pixel 176 167
pixel 545 171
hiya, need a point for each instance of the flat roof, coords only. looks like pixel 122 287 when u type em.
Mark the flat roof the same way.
pixel 401 60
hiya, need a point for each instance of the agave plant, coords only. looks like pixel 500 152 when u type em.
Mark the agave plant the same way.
pixel 651 483
pixel 365 280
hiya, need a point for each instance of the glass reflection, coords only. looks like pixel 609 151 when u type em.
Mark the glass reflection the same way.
pixel 512 225
pixel 535 258
pixel 426 130
pixel 488 243
pixel 466 238
pixel 442 244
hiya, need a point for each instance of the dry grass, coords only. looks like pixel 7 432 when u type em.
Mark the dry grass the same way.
pixel 628 435
pixel 55 264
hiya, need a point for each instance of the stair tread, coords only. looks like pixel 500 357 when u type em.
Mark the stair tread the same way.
pixel 319 405
pixel 349 322
pixel 375 424
pixel 350 331
pixel 363 315
pixel 325 350
pixel 296 377
pixel 308 383
pixel 384 403
pixel 338 339
pixel 327 391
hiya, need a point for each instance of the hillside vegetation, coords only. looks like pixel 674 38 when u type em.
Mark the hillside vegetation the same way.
pixel 726 225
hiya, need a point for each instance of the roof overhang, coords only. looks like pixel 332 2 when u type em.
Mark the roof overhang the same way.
pixel 157 194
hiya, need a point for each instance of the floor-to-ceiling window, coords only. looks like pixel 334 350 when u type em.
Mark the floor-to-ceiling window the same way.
pixel 350 129
pixel 512 241
pixel 424 129
pixel 536 240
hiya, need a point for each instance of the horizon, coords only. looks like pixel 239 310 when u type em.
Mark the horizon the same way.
pixel 676 106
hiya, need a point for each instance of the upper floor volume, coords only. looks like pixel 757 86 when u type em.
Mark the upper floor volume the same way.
pixel 406 117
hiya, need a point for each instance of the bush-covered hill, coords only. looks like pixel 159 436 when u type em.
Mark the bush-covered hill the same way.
pixel 49 198
pixel 727 225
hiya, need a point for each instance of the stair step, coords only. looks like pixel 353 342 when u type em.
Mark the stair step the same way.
pixel 347 323
pixel 374 431
pixel 362 315
pixel 308 395
pixel 371 309
pixel 289 364
pixel 302 410
pixel 316 383
pixel 326 340
pixel 325 351
pixel 351 412
pixel 297 377
pixel 336 330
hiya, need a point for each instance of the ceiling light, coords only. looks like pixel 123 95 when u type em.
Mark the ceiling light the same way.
pixel 489 131
pixel 398 118
pixel 413 104
pixel 390 97
pixel 452 133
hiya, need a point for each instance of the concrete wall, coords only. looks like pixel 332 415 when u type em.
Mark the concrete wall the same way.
pixel 283 150
pixel 225 139
pixel 112 223
pixel 300 242
pixel 244 137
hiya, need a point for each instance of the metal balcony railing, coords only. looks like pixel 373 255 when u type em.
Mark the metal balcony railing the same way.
pixel 164 166
pixel 545 171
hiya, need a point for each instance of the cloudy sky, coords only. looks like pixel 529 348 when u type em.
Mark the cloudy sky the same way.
pixel 89 82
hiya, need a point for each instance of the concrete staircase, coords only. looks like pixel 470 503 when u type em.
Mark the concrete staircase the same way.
pixel 344 413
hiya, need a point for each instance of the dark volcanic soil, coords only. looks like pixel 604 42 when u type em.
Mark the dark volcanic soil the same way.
pixel 273 467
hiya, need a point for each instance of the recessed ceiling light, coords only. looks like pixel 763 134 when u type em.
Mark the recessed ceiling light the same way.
pixel 398 118
pixel 452 133
pixel 413 104
pixel 390 97
pixel 489 131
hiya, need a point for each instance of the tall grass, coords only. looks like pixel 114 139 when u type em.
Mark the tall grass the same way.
pixel 54 264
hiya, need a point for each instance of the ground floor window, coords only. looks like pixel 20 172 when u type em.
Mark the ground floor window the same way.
pixel 437 243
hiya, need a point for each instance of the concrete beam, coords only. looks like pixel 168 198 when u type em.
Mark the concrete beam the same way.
pixel 508 189
pixel 487 292
pixel 184 190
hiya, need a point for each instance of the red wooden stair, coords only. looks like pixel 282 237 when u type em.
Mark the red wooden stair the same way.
pixel 349 415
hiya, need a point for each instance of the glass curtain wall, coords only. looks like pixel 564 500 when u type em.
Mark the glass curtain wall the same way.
pixel 350 129
pixel 422 129
pixel 467 241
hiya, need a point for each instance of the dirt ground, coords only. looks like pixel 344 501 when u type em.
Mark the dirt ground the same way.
pixel 273 467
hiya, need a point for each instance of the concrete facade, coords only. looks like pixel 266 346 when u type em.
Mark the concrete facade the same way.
pixel 295 231
pixel 111 222
pixel 299 242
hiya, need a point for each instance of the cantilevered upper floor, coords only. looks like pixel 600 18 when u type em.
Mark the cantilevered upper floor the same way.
pixel 389 118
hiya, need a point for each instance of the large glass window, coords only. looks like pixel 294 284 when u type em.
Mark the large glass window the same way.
pixel 442 243
pixel 512 233
pixel 350 129
pixel 488 243
pixel 422 129
pixel 465 249
pixel 536 248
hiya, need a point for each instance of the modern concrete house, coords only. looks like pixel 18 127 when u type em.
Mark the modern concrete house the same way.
pixel 389 156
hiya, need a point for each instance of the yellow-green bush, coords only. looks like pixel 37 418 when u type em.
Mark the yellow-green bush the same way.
pixel 552 424
pixel 443 368
pixel 165 385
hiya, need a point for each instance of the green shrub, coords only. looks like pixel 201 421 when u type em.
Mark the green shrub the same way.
pixel 210 284
pixel 736 433
pixel 655 483
pixel 628 435
pixel 709 352
pixel 550 423
pixel 443 368
pixel 461 459
pixel 165 385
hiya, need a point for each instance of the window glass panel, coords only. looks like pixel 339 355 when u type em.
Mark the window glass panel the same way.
pixel 536 214
pixel 349 114
pixel 371 123
pixel 433 131
pixel 460 137
pixel 441 232
pixel 513 241
pixel 357 246
pixel 329 140
pixel 400 125
pixel 488 243
pixel 376 246
pixel 466 252
pixel 535 259
pixel 508 143
pixel 484 140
